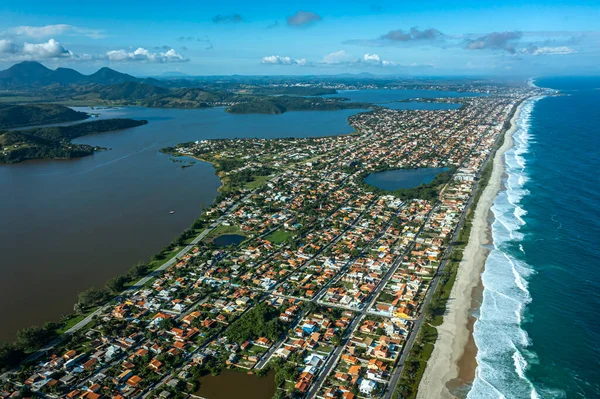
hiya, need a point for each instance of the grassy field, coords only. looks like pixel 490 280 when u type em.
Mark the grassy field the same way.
pixel 279 236
pixel 223 229
pixel 258 181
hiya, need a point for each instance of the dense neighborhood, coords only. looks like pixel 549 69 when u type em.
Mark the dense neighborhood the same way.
pixel 327 283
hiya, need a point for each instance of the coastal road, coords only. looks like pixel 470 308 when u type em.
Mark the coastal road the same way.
pixel 397 372
pixel 142 282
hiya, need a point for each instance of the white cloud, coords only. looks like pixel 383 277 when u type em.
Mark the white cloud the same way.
pixel 560 50
pixel 33 51
pixel 51 49
pixel 40 31
pixel 338 57
pixel 372 58
pixel 144 55
pixel 7 47
pixel 375 59
pixel 54 30
pixel 343 58
pixel 279 60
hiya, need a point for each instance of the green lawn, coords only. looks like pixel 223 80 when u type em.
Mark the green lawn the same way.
pixel 279 236
pixel 223 229
pixel 73 320
pixel 258 181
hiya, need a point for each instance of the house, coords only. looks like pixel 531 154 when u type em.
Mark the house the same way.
pixel 125 374
pixel 354 370
pixel 134 381
pixel 313 360
pixel 155 364
pixel 283 353
pixel 263 341
pixel 381 351
pixel 367 386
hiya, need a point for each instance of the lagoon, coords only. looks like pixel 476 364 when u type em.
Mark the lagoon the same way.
pixel 390 98
pixel 226 240
pixel 391 180
pixel 237 384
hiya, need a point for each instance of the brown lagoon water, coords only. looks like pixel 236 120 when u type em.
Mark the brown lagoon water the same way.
pixel 69 225
pixel 235 385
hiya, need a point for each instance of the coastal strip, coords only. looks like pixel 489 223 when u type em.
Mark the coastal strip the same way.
pixel 453 334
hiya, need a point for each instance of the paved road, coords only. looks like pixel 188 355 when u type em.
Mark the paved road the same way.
pixel 332 359
pixel 397 372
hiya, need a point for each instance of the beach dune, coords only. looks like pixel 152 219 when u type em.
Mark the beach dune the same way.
pixel 444 365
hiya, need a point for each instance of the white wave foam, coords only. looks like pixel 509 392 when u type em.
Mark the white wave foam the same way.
pixel 520 364
pixel 502 368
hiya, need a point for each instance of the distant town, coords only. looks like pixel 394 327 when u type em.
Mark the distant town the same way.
pixel 299 270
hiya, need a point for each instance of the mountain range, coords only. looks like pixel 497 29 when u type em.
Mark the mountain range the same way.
pixel 34 74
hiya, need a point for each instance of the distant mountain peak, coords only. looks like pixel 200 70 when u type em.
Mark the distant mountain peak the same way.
pixel 32 73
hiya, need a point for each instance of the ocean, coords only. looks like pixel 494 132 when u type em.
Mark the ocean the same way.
pixel 538 327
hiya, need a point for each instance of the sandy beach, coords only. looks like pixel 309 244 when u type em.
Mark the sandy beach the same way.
pixel 452 362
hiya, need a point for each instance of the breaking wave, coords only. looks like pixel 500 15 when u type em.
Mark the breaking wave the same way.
pixel 501 341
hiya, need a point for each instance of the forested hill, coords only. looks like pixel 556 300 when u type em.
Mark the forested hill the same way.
pixel 281 104
pixel 12 116
pixel 81 129
pixel 55 142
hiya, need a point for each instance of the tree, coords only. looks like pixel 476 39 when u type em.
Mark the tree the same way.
pixel 10 355
pixel 117 284
pixel 336 340
pixel 32 338
pixel 91 297
pixel 140 269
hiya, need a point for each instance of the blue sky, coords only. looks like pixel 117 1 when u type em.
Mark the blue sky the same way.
pixel 310 37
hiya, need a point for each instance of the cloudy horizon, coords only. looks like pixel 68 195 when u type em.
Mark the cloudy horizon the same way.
pixel 308 38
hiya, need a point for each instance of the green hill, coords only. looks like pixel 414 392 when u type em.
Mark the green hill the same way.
pixel 55 142
pixel 12 116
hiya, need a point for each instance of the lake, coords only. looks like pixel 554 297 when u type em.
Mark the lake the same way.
pixel 236 384
pixel 228 239
pixel 390 98
pixel 402 178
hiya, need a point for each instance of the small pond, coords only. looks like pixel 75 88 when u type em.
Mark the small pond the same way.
pixel 226 240
pixel 403 178
pixel 236 384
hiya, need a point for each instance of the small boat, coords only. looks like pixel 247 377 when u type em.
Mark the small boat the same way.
pixel 172 212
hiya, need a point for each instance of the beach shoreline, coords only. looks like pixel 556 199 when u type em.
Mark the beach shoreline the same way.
pixel 451 367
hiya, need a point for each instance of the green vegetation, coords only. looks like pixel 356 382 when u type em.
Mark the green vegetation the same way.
pixel 416 363
pixel 221 230
pixel 55 142
pixel 258 181
pixel 280 236
pixel 28 340
pixel 279 105
pixel 253 177
pixel 82 129
pixel 260 321
pixel 12 116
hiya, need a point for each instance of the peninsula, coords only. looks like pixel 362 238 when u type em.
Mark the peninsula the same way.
pixel 337 287
pixel 55 142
